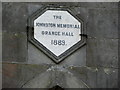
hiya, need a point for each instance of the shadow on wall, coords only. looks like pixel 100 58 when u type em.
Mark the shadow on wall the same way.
pixel 56 88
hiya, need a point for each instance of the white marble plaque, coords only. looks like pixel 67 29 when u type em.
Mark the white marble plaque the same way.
pixel 57 30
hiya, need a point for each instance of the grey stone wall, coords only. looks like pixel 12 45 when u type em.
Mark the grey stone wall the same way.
pixel 94 65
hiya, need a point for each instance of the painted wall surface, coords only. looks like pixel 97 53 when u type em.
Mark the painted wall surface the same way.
pixel 95 65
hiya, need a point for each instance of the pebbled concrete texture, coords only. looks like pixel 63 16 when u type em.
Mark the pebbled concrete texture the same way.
pixel 95 65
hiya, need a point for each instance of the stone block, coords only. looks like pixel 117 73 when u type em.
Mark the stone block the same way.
pixel 85 74
pixel 14 47
pixel 77 58
pixel 36 56
pixel 33 7
pixel 102 23
pixel 14 17
pixel 102 52
pixel 21 74
pixel 107 78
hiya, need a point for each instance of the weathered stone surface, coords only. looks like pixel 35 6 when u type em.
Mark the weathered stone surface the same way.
pixel 40 81
pixel 14 47
pixel 33 7
pixel 60 76
pixel 0 32
pixel 0 75
pixel 91 77
pixel 78 58
pixel 85 74
pixel 107 78
pixel 102 52
pixel 14 17
pixel 0 17
pixel 94 77
pixel 35 56
pixel 20 74
pixel 66 79
pixel 110 5
pixel 102 23
pixel 94 65
pixel 0 47
pixel 82 13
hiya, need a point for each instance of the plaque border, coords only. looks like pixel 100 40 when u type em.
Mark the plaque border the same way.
pixel 56 59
